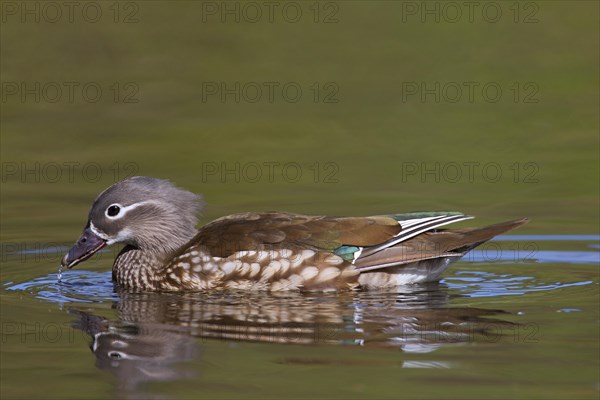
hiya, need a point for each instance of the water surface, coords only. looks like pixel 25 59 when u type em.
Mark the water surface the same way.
pixel 517 318
pixel 488 322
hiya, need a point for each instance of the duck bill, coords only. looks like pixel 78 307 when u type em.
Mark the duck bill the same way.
pixel 87 245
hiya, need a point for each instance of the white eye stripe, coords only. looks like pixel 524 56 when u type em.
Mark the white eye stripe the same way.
pixel 121 237
pixel 98 232
pixel 125 209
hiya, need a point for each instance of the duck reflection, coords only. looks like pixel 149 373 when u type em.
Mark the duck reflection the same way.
pixel 138 353
pixel 154 333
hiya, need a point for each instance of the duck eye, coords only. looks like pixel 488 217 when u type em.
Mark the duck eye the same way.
pixel 113 210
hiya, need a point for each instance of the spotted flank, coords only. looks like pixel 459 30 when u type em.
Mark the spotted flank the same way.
pixel 266 269
pixel 267 251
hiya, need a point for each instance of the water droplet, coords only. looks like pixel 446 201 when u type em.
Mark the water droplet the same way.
pixel 59 273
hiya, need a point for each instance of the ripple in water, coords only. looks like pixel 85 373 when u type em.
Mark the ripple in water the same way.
pixel 78 286
pixel 487 284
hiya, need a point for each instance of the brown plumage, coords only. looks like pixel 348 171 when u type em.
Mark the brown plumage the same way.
pixel 266 251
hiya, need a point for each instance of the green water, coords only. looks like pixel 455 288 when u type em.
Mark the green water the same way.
pixel 378 129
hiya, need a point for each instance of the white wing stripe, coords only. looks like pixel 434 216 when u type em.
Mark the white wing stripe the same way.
pixel 417 229
pixel 408 223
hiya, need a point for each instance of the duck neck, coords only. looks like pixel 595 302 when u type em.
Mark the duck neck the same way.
pixel 135 268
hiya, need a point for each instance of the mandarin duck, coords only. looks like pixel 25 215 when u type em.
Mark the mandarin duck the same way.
pixel 272 251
